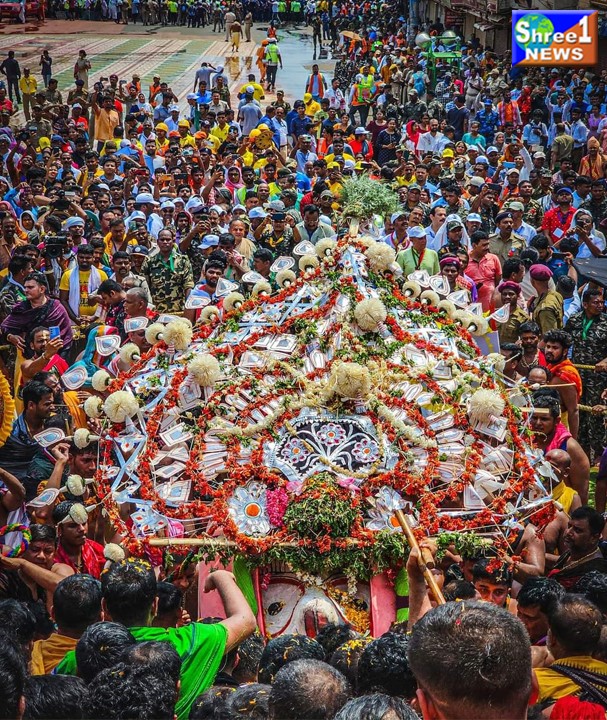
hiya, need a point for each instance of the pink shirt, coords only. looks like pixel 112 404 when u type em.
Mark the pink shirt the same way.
pixel 487 271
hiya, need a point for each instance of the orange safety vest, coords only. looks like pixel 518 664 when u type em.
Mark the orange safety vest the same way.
pixel 321 84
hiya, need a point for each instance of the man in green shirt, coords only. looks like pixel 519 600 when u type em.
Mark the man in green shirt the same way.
pixel 417 256
pixel 130 598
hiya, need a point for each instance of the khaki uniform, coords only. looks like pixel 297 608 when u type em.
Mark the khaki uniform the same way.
pixel 509 248
pixel 547 311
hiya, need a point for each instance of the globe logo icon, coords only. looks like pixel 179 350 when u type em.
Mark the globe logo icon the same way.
pixel 539 27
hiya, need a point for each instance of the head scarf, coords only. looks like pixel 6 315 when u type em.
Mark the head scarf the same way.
pixel 441 238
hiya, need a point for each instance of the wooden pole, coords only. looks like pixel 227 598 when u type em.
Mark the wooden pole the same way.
pixel 425 560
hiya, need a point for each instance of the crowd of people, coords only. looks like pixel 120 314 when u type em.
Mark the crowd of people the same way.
pixel 122 202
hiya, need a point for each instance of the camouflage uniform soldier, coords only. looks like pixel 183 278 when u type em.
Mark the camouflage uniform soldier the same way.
pixel 589 332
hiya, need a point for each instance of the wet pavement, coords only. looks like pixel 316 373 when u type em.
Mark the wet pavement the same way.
pixel 172 52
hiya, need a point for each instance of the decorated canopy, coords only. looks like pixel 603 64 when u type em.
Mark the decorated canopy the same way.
pixel 289 427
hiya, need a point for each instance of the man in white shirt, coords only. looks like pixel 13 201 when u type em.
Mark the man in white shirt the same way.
pixel 336 98
pixel 432 141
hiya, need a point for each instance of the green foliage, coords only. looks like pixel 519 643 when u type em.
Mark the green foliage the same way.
pixel 362 198
pixel 322 509
pixel 468 545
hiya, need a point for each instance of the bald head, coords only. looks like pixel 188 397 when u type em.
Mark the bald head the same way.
pixel 561 462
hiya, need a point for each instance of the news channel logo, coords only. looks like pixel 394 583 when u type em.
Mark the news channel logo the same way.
pixel 555 37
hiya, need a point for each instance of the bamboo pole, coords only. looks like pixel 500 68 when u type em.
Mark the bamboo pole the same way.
pixel 425 561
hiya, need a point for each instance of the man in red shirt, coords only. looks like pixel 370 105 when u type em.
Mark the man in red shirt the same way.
pixel 484 268
pixel 74 548
pixel 557 220
pixel 5 103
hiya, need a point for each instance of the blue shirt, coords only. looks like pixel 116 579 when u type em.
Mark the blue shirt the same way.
pixel 300 126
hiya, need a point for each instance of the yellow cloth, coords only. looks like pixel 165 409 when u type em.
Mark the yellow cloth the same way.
pixel 258 91
pixel 554 685
pixel 47 654
pixel 76 411
pixel 564 495
pixel 85 308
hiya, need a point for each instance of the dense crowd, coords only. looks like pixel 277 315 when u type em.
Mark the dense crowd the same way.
pixel 122 202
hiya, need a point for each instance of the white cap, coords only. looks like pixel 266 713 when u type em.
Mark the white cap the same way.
pixel 416 232
pixel 193 203
pixel 257 212
pixel 167 204
pixel 474 217
pixel 361 131
pixel 397 214
pixel 146 198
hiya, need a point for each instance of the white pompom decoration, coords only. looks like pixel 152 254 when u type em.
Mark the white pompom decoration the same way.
pixel 93 406
pixel 83 437
pixel 205 370
pixel 100 380
pixel 154 333
pixel 485 404
pixel 129 354
pixel 370 314
pixel 233 301
pixel 120 405
pixel 178 334
pixel 285 278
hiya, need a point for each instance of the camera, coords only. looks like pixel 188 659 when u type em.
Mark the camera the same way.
pixel 61 203
pixel 56 245
pixel 22 136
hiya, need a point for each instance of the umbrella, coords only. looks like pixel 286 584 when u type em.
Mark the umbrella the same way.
pixel 351 35
pixel 592 269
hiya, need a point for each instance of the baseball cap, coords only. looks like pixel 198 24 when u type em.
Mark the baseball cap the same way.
pixel 518 206
pixel 491 149
pixel 167 204
pixel 147 198
pixel 360 131
pixel 137 215
pixel 474 217
pixel 193 203
pixel 209 241
pixel 416 232
pixel 397 214
pixel 477 181
pixel 138 250
pixel 257 212
pixel 249 89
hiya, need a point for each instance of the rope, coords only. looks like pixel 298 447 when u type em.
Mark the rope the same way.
pixel 585 367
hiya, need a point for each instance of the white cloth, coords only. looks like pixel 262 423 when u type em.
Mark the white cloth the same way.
pixel 74 294
pixel 441 237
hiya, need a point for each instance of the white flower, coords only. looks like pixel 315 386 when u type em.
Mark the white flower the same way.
pixel 100 380
pixel 387 502
pixel 113 552
pixel 120 405
pixel 366 451
pixel 332 434
pixel 285 278
pixel 77 514
pixel 294 450
pixel 75 485
pixel 204 369
pixel 380 257
pixel 93 406
pixel 248 509
pixel 83 437
pixel 178 333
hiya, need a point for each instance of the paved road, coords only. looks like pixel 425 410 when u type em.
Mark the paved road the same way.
pixel 173 53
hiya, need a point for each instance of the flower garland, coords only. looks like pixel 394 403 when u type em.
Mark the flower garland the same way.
pixel 26 538
pixel 246 412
